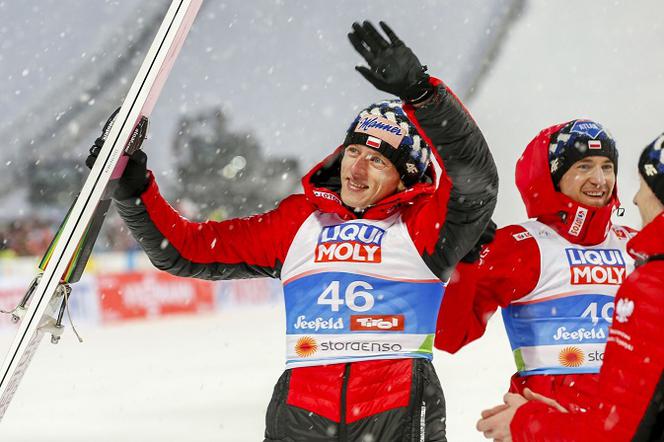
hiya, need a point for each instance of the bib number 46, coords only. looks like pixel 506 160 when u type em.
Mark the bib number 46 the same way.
pixel 355 296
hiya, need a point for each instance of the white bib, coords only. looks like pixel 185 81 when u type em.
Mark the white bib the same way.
pixel 562 325
pixel 357 290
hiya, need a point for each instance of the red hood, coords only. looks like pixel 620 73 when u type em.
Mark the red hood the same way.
pixel 649 241
pixel 322 186
pixel 578 223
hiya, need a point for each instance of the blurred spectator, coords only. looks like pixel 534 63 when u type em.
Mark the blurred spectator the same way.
pixel 25 237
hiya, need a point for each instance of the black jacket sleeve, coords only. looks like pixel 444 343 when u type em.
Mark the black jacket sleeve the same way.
pixel 238 248
pixel 472 172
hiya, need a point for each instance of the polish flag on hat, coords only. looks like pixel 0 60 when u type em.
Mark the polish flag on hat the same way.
pixel 595 144
pixel 373 142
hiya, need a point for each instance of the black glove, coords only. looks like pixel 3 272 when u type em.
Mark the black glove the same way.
pixel 394 68
pixel 134 179
pixel 485 238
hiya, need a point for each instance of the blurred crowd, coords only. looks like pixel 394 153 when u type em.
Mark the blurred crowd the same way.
pixel 25 237
pixel 31 236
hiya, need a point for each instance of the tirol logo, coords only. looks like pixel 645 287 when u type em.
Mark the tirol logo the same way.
pixel 306 346
pixel 596 266
pixel 377 322
pixel 350 242
pixel 571 357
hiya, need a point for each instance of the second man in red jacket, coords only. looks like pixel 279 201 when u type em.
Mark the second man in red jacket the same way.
pixel 555 276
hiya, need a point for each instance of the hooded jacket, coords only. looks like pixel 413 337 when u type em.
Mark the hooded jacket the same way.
pixel 631 381
pixel 510 267
pixel 438 221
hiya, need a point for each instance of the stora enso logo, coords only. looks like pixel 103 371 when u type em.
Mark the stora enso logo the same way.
pixel 349 242
pixel 596 266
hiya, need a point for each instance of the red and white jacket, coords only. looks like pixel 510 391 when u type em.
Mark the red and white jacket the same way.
pixel 554 277
pixel 630 400
pixel 428 226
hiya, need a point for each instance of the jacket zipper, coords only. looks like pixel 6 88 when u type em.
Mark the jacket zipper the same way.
pixel 343 428
pixel 419 419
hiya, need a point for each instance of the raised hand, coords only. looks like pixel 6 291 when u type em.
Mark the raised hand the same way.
pixel 393 67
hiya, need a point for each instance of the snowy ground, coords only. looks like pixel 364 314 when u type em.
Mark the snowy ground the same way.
pixel 200 379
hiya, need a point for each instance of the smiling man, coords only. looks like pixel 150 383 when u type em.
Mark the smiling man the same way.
pixel 583 167
pixel 366 177
pixel 590 181
pixel 363 255
pixel 555 277
pixel 631 382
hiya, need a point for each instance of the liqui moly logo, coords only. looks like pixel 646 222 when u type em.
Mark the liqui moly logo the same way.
pixel 376 322
pixel 596 266
pixel 350 242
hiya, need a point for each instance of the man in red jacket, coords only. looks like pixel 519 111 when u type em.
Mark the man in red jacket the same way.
pixel 630 401
pixel 555 277
pixel 363 255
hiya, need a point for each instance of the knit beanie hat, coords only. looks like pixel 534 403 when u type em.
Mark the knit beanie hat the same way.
pixel 651 167
pixel 577 140
pixel 385 127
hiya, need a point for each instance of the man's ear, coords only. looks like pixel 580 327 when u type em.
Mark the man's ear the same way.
pixel 401 187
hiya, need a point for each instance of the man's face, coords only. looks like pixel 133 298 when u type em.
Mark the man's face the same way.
pixel 366 177
pixel 647 202
pixel 590 181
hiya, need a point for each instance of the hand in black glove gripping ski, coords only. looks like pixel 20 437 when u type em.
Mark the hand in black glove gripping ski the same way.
pixel 393 67
pixel 134 179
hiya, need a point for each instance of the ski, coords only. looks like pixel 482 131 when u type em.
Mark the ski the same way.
pixel 63 263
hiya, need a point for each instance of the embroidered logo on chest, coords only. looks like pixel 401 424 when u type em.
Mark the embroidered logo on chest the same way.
pixel 596 266
pixel 350 242
pixel 624 309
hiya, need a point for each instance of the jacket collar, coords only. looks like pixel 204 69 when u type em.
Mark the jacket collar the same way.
pixel 578 223
pixel 322 186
